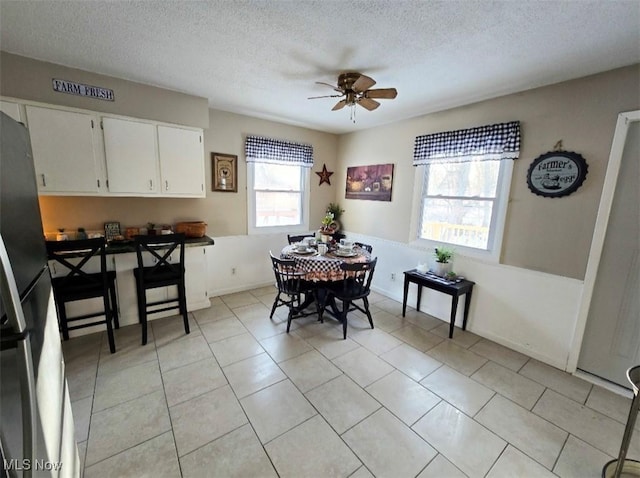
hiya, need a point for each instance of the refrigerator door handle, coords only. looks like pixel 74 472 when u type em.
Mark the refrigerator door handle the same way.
pixel 9 291
pixel 13 306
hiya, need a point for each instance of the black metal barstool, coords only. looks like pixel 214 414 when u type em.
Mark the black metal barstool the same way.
pixel 615 468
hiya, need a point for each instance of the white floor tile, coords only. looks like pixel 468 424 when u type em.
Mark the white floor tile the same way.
pixel 469 446
pixel 276 409
pixel 404 453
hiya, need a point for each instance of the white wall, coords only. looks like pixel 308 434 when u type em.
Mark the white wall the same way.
pixel 531 312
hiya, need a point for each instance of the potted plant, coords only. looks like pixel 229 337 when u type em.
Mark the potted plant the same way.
pixel 443 257
pixel 335 209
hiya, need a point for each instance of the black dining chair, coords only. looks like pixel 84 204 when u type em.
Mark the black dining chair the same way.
pixel 163 273
pixel 298 238
pixel 364 246
pixel 355 285
pixel 291 285
pixel 80 284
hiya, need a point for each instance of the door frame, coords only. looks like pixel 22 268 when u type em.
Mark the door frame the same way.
pixel 600 231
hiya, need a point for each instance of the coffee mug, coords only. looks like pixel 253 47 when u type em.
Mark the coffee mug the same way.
pixel 301 247
pixel 322 249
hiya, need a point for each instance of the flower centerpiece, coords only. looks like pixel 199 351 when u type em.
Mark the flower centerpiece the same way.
pixel 329 225
pixel 335 209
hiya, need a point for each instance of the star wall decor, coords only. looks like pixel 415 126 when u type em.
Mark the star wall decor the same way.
pixel 324 175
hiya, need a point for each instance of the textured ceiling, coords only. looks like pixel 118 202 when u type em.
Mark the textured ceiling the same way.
pixel 262 58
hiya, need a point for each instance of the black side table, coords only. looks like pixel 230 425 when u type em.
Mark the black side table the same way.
pixel 454 290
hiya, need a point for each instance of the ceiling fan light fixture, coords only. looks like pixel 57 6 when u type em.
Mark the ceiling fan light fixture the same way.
pixel 355 90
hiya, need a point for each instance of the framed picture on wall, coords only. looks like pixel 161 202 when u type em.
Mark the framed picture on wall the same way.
pixel 370 182
pixel 225 172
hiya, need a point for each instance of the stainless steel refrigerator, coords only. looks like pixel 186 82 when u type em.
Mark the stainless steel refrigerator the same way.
pixel 36 423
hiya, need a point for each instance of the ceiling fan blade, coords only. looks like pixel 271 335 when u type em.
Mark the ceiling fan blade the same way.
pixel 384 93
pixel 368 103
pixel 363 83
pixel 329 85
pixel 339 105
pixel 325 96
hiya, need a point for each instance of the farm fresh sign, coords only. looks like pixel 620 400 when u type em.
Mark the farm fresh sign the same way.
pixel 80 89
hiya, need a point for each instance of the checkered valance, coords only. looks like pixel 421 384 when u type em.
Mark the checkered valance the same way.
pixel 267 150
pixel 491 142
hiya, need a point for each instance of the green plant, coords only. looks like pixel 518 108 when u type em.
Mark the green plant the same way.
pixel 335 209
pixel 443 254
pixel 327 219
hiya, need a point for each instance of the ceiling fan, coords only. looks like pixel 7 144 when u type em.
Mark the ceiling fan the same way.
pixel 354 87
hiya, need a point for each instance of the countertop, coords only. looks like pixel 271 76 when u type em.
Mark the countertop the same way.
pixel 129 246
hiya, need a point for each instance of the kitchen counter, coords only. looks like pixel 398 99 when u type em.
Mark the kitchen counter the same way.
pixel 124 247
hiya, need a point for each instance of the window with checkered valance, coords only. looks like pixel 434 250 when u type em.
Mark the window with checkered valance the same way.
pixel 276 151
pixel 491 142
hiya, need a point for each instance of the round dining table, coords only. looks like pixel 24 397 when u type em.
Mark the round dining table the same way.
pixel 323 267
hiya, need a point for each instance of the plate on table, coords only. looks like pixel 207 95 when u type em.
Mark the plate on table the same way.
pixel 340 253
pixel 304 253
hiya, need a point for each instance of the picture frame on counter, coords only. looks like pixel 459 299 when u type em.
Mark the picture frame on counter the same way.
pixel 224 169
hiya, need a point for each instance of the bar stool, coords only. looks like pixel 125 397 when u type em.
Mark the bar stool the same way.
pixel 163 273
pixel 79 284
pixel 615 468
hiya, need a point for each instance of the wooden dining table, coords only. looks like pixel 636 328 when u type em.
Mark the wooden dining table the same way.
pixel 323 267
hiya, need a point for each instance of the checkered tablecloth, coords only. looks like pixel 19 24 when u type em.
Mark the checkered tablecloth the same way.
pixel 322 268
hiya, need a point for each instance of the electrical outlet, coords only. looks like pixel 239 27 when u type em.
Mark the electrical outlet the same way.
pixel 393 276
pixel 233 271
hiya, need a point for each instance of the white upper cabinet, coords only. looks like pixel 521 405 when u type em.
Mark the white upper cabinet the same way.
pixel 83 153
pixel 181 161
pixel 65 151
pixel 132 156
pixel 11 109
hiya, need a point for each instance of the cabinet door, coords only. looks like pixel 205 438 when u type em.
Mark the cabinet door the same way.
pixel 196 274
pixel 131 153
pixel 64 150
pixel 181 161
pixel 10 109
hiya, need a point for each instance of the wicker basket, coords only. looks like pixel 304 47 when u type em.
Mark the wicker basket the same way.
pixel 192 228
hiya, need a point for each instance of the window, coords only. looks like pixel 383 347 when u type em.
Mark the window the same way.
pixel 465 186
pixel 460 203
pixel 278 175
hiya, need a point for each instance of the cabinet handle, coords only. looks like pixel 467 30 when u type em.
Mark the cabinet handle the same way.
pixel 150 184
pixel 44 181
pixel 98 183
pixel 166 184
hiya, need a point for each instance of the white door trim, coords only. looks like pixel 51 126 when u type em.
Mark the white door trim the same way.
pixel 600 231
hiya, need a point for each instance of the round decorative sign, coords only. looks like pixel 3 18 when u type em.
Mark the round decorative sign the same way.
pixel 556 174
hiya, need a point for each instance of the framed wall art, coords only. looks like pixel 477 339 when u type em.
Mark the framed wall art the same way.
pixel 556 174
pixel 224 168
pixel 370 182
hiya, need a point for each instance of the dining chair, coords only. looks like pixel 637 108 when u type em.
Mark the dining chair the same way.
pixel 298 238
pixel 355 285
pixel 163 273
pixel 78 283
pixel 364 246
pixel 291 284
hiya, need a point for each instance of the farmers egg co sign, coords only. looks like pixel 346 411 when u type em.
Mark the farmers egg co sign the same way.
pixel 80 89
pixel 556 174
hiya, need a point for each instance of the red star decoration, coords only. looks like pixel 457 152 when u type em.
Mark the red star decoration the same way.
pixel 324 175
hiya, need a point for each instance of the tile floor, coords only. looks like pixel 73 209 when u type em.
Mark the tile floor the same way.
pixel 240 397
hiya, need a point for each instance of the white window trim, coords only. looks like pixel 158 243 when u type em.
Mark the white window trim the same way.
pixel 502 202
pixel 251 206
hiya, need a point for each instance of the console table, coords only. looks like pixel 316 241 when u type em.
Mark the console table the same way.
pixel 455 290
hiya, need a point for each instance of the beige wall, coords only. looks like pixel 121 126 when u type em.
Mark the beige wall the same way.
pixel 30 79
pixel 543 234
pixel 224 212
